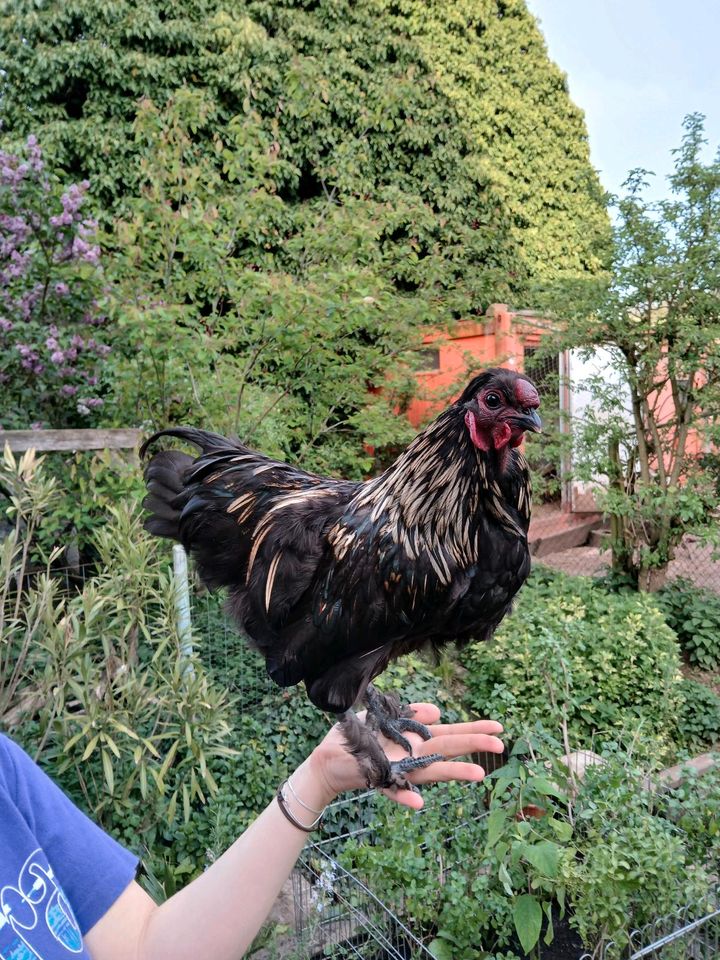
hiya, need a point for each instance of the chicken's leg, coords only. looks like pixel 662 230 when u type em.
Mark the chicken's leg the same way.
pixel 379 772
pixel 386 714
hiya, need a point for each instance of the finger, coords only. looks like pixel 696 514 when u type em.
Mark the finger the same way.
pixel 426 713
pixel 440 772
pixel 406 798
pixel 460 744
pixel 472 726
pixel 444 771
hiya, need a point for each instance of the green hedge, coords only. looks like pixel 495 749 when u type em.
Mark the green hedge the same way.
pixel 604 663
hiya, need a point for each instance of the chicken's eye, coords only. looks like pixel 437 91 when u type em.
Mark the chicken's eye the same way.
pixel 493 401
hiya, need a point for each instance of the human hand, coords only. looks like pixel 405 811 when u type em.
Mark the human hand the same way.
pixel 336 770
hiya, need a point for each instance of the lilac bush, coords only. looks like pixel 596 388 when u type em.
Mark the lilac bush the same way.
pixel 53 333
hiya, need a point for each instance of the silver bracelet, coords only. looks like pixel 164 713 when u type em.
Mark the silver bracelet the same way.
pixel 289 815
pixel 302 804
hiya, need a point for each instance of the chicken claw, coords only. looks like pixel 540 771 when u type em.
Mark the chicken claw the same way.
pixel 398 768
pixel 386 714
pixel 379 772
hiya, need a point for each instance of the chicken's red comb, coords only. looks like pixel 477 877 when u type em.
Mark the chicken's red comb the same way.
pixel 526 394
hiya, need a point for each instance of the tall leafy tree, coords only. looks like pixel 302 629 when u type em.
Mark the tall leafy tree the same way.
pixel 293 190
pixel 651 434
pixel 456 104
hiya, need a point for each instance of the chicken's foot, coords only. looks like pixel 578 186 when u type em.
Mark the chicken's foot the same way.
pixel 379 772
pixel 386 714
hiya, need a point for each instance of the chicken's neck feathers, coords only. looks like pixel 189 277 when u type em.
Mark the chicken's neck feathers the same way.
pixel 436 488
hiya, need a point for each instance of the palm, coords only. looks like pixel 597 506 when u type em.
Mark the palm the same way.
pixel 341 772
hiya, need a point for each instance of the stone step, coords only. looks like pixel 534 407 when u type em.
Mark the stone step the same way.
pixel 569 531
pixel 599 537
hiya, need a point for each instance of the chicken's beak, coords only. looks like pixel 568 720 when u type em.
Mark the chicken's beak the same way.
pixel 531 421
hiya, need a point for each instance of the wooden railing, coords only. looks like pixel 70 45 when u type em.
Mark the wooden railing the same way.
pixel 51 440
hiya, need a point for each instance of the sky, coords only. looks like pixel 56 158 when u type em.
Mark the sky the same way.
pixel 636 68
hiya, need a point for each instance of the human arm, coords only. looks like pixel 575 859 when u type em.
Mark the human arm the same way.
pixel 220 912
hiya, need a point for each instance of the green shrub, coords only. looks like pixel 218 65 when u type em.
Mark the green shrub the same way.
pixel 634 865
pixel 102 693
pixel 89 486
pixel 694 614
pixel 431 866
pixel 694 808
pixel 573 653
pixel 698 723
pixel 528 847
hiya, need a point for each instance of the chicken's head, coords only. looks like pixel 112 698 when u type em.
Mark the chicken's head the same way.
pixel 500 405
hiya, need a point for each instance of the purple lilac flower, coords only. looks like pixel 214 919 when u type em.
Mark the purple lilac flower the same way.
pixel 87 228
pixel 6 325
pixel 34 154
pixel 68 390
pixel 63 219
pixel 88 252
pixel 62 289
pixel 57 357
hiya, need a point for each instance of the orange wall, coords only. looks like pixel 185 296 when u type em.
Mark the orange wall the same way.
pixel 498 339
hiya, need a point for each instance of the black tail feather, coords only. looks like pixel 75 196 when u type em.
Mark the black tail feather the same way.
pixel 164 502
pixel 200 438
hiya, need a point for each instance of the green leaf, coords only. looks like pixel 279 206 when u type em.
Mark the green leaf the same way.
pixel 505 880
pixel 544 857
pixel 496 826
pixel 550 932
pixel 108 771
pixel 440 949
pixel 546 788
pixel 561 828
pixel 527 917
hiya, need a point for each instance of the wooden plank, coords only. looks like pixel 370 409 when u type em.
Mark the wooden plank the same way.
pixel 120 439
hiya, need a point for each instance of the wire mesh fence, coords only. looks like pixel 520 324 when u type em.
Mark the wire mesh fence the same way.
pixel 683 935
pixel 229 656
pixel 339 916
pixel 694 561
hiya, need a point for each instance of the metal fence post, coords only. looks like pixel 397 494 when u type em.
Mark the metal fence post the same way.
pixel 182 606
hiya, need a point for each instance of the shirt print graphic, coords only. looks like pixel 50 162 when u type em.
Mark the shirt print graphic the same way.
pixel 36 921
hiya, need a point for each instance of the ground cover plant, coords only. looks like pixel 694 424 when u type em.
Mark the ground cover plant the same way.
pixel 694 615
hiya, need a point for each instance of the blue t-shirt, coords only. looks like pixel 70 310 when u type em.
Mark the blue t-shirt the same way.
pixel 59 872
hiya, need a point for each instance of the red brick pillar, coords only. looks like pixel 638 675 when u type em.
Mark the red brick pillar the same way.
pixel 508 352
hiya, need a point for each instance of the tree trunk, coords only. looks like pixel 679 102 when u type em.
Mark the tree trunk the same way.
pixel 651 579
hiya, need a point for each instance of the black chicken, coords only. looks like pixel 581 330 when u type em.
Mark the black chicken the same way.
pixel 332 580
